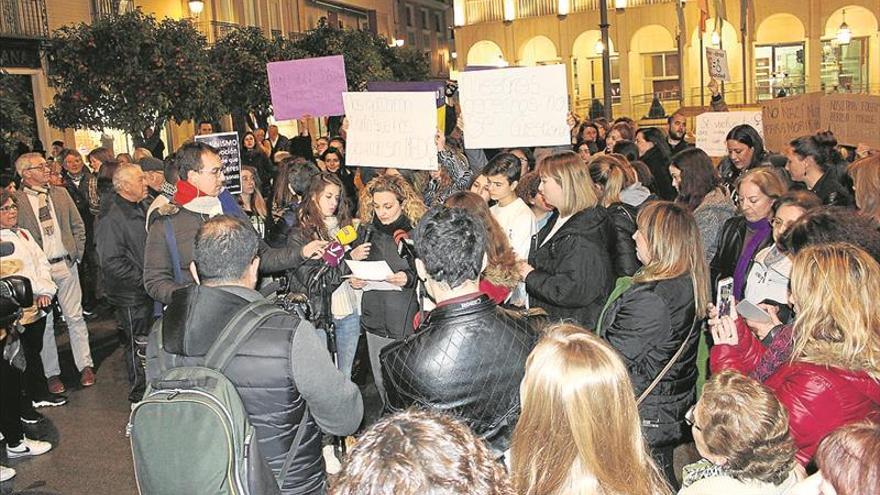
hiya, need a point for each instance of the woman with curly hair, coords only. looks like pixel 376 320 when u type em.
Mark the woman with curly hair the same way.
pixel 741 431
pixel 500 276
pixel 388 206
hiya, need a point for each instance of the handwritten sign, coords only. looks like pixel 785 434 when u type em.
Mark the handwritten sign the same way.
pixel 437 87
pixel 852 118
pixel 717 62
pixel 524 106
pixel 712 129
pixel 391 129
pixel 788 118
pixel 311 86
pixel 226 143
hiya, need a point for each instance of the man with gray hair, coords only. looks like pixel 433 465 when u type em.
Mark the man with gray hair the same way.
pixel 121 239
pixel 51 216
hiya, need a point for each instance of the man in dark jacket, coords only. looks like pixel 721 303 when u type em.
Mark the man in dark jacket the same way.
pixel 121 239
pixel 200 196
pixel 468 356
pixel 676 129
pixel 282 370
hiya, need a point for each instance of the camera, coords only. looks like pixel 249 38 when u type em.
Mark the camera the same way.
pixel 15 293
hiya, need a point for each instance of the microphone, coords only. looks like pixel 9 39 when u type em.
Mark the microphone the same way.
pixel 336 250
pixel 405 247
pixel 368 233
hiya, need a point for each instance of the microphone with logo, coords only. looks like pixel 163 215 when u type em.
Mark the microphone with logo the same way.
pixel 406 249
pixel 335 251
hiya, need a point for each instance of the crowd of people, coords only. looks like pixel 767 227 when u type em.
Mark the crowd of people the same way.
pixel 549 322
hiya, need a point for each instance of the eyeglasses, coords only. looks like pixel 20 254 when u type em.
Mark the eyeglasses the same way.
pixel 12 207
pixel 216 172
pixel 43 165
pixel 690 419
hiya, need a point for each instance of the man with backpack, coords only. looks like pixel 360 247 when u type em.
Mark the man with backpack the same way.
pixel 277 363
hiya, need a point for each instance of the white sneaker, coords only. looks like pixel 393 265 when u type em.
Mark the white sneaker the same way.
pixel 27 448
pixel 6 473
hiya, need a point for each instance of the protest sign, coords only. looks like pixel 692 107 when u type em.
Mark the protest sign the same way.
pixel 717 63
pixel 436 87
pixel 788 118
pixel 388 129
pixel 852 118
pixel 226 143
pixel 712 129
pixel 524 106
pixel 311 86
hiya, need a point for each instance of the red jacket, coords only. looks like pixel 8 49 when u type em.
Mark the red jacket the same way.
pixel 819 399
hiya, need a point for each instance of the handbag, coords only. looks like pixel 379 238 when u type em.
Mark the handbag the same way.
pixel 666 368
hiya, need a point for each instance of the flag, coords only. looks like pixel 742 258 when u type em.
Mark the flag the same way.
pixel 704 13
pixel 747 16
pixel 720 15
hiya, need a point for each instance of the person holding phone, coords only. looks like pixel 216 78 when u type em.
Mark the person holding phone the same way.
pixel 656 316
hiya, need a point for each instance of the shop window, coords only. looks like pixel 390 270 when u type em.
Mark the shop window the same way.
pixel 424 19
pixel 845 67
pixel 409 16
pixel 661 74
pixel 594 78
pixel 779 69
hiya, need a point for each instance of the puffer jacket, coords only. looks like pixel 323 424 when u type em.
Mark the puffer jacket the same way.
pixel 623 217
pixel 260 372
pixel 466 359
pixel 647 324
pixel 573 272
pixel 819 397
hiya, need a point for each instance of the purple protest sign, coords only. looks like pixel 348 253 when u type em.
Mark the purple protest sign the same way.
pixel 311 86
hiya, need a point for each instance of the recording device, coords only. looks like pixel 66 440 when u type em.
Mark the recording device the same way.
pixel 724 296
pixel 335 251
pixel 15 292
pixel 451 88
pixel 406 249
pixel 368 234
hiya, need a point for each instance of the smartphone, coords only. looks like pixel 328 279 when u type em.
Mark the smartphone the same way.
pixel 724 296
pixel 752 312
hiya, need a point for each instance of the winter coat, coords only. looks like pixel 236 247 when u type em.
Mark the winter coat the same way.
pixel 120 239
pixel 623 217
pixel 647 325
pixel 819 396
pixel 730 246
pixel 715 209
pixel 573 272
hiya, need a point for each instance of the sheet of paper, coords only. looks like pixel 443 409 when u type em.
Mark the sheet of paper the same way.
pixel 374 272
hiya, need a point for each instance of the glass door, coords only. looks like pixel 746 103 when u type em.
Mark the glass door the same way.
pixel 779 70
pixel 845 67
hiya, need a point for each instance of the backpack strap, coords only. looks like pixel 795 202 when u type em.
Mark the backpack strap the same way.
pixel 238 330
pixel 171 241
pixel 301 430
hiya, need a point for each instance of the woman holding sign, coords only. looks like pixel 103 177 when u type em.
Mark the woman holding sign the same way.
pixel 388 206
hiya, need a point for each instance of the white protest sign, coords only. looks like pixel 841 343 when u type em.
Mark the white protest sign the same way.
pixel 718 64
pixel 523 106
pixel 391 129
pixel 712 129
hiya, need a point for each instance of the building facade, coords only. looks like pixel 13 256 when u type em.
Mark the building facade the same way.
pixel 793 46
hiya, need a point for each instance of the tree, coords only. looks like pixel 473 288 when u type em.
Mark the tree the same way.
pixel 129 72
pixel 16 115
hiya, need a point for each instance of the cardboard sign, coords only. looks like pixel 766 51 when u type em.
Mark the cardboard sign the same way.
pixel 789 118
pixel 226 143
pixel 852 118
pixel 717 63
pixel 388 129
pixel 523 106
pixel 712 129
pixel 436 87
pixel 311 86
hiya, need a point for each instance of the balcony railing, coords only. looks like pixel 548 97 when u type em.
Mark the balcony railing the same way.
pixel 479 11
pixel 104 8
pixel 221 28
pixel 23 19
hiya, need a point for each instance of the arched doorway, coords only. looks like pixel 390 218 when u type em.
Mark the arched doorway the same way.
pixel 484 52
pixel 538 50
pixel 846 64
pixel 586 65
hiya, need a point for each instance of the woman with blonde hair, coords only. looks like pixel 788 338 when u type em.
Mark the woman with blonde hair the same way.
pixel 579 431
pixel 611 175
pixel 652 323
pixel 569 273
pixel 500 277
pixel 831 374
pixel 865 174
pixel 741 431
pixel 389 208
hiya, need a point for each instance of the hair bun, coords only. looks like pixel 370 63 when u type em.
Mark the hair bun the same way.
pixel 825 138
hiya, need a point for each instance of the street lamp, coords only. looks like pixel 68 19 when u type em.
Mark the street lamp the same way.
pixel 395 42
pixel 563 8
pixel 619 5
pixel 196 6
pixel 599 47
pixel 606 56
pixel 715 39
pixel 844 34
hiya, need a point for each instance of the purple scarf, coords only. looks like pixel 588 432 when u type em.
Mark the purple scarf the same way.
pixel 760 232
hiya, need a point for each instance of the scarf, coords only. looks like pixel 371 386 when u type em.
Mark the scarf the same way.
pixel 189 197
pixel 44 215
pixel 760 232
pixel 699 470
pixel 402 223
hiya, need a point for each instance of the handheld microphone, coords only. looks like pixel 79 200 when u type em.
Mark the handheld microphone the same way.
pixel 347 235
pixel 405 247
pixel 335 251
pixel 368 233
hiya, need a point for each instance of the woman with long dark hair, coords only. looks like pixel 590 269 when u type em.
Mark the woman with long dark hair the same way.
pixel 815 161
pixel 654 151
pixel 745 151
pixel 333 161
pixel 252 155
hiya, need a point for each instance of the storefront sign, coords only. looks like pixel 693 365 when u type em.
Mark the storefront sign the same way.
pixel 788 118
pixel 391 130
pixel 524 106
pixel 712 129
pixel 19 54
pixel 226 143
pixel 311 86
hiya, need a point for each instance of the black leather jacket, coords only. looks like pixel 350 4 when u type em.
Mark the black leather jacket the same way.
pixel 730 245
pixel 623 217
pixel 466 359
